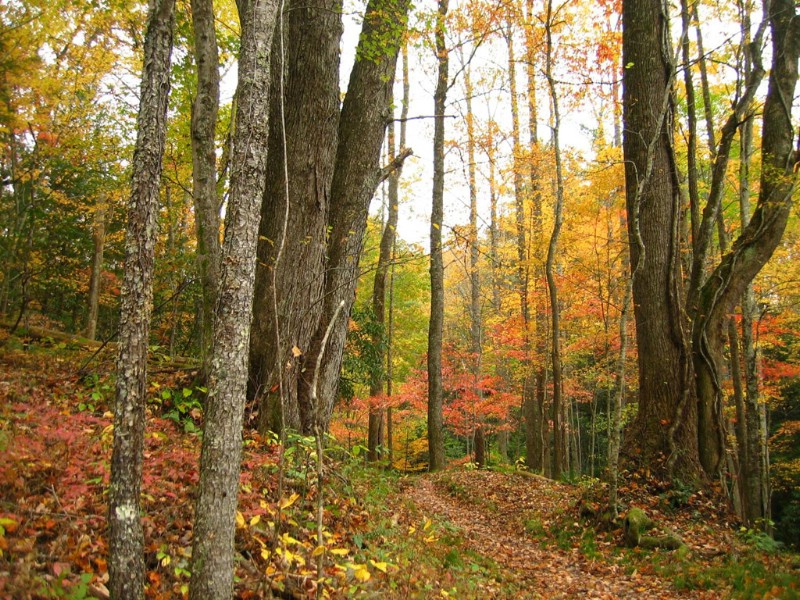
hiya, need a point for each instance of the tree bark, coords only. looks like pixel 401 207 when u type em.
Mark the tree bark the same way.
pixel 362 126
pixel 375 428
pixel 212 561
pixel 558 219
pixel 665 426
pixel 126 538
pixel 758 240
pixel 204 166
pixel 288 295
pixel 98 240
pixel 436 326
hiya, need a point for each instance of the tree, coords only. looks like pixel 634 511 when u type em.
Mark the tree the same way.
pixel 294 214
pixel 666 424
pixel 205 109
pixel 212 546
pixel 758 240
pixel 436 325
pixel 356 174
pixel 126 539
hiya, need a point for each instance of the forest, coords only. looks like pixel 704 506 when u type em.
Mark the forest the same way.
pixel 390 299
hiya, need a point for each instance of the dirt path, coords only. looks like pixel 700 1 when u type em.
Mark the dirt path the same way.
pixel 539 572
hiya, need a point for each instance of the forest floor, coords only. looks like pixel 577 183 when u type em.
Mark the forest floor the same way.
pixel 462 533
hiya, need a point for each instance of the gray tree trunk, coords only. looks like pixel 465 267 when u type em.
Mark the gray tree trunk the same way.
pixel 212 561
pixel 436 325
pixel 125 538
pixel 204 166
pixel 357 172
pixel 308 97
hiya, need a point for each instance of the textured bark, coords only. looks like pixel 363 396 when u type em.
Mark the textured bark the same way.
pixel 362 126
pixel 308 100
pixel 212 559
pixel 126 539
pixel 665 426
pixel 436 325
pixel 99 241
pixel 762 235
pixel 204 166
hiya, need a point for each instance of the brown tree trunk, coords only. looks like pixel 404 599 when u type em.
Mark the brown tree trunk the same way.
pixel 304 106
pixel 436 326
pixel 99 240
pixel 212 559
pixel 559 450
pixel 665 426
pixel 204 166
pixel 125 537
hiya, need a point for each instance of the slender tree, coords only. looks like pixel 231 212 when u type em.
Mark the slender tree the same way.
pixel 126 538
pixel 558 219
pixel 212 559
pixel 763 233
pixel 204 166
pixel 436 326
pixel 98 241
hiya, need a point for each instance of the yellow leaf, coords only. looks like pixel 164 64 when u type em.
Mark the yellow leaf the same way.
pixel 287 502
pixel 318 550
pixel 430 538
pixel 166 560
pixel 255 520
pixel 287 539
pixel 265 554
pixel 381 566
pixel 427 524
pixel 339 551
pixel 239 519
pixel 411 529
pixel 296 352
pixel 361 572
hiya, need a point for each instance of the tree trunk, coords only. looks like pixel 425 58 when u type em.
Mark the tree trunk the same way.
pixel 559 450
pixel 125 538
pixel 375 430
pixel 204 166
pixel 99 241
pixel 362 126
pixel 212 561
pixel 435 329
pixel 759 239
pixel 666 424
pixel 304 106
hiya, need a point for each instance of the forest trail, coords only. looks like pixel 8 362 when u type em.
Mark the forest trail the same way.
pixel 491 513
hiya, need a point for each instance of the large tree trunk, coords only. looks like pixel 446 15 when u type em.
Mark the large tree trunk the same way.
pixel 362 126
pixel 125 538
pixel 666 425
pixel 304 106
pixel 436 325
pixel 761 236
pixel 204 166
pixel 212 560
